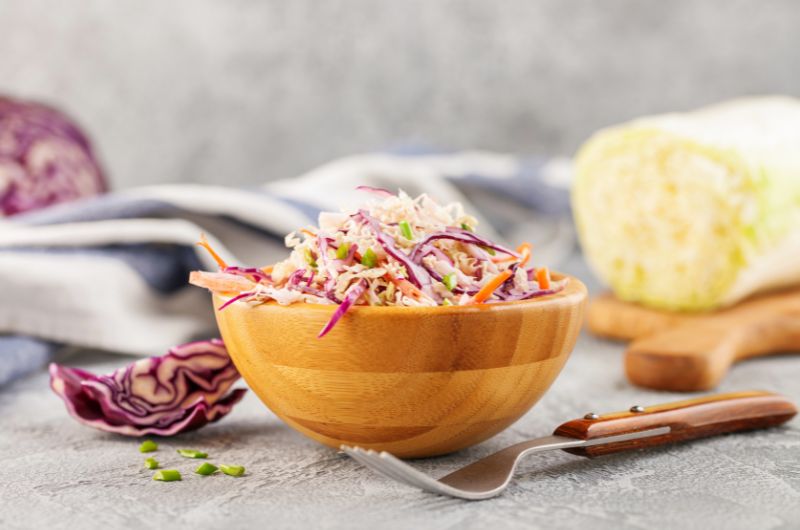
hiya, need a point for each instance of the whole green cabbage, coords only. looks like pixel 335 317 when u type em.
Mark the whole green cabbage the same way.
pixel 694 211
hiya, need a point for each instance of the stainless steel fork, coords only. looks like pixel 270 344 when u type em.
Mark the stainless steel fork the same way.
pixel 595 435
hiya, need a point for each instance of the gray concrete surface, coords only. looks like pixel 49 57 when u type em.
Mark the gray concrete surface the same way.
pixel 243 91
pixel 55 473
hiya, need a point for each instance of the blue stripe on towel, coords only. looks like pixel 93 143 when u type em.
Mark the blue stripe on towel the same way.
pixel 99 208
pixel 22 355
pixel 527 187
pixel 164 267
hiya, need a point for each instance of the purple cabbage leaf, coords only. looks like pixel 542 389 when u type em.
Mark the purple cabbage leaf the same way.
pixel 180 391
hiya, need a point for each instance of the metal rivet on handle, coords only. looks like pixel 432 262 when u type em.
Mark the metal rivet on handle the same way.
pixel 591 416
pixel 637 408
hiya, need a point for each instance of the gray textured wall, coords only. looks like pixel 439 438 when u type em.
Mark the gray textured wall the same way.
pixel 242 91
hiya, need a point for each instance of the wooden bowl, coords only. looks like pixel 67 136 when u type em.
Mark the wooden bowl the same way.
pixel 412 381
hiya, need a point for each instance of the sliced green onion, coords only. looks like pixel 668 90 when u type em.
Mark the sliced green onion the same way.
pixel 447 301
pixel 234 471
pixel 148 446
pixel 167 475
pixel 465 226
pixel 343 250
pixel 151 463
pixel 369 259
pixel 206 468
pixel 192 453
pixel 405 229
pixel 491 251
pixel 310 258
pixel 450 281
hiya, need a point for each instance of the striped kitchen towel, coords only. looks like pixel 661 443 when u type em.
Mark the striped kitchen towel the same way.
pixel 110 272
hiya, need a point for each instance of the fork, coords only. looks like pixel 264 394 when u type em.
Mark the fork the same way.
pixel 595 435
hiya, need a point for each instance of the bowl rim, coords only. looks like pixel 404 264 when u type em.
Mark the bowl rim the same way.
pixel 574 287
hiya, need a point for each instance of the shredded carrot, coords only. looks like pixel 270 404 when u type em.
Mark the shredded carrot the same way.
pixel 267 269
pixel 220 282
pixel 206 245
pixel 490 287
pixel 309 233
pixel 543 277
pixel 525 251
pixel 407 288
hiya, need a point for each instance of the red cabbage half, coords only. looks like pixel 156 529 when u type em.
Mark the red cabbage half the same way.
pixel 180 391
pixel 45 159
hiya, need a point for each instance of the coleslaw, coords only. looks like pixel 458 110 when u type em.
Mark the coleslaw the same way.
pixel 395 251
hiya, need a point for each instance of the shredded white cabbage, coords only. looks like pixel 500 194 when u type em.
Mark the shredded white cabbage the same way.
pixel 396 251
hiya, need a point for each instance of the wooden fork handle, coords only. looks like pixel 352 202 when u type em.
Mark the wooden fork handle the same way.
pixel 687 420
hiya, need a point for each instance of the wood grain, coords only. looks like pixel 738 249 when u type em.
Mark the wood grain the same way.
pixel 412 381
pixel 691 352
pixel 687 420
pixel 608 316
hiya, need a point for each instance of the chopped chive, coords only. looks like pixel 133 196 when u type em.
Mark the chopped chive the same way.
pixel 151 463
pixel 450 281
pixel 234 471
pixel 167 475
pixel 405 229
pixel 465 226
pixel 148 446
pixel 369 259
pixel 192 453
pixel 206 468
pixel 343 250
pixel 447 301
pixel 310 258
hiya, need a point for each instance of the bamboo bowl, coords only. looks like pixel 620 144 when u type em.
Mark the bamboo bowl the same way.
pixel 412 381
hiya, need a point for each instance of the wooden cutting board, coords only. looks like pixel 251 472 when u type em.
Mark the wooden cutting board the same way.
pixel 693 351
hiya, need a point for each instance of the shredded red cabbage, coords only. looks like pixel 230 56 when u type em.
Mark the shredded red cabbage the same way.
pixel 439 254
pixel 251 273
pixel 296 277
pixel 234 299
pixel 463 236
pixel 533 293
pixel 307 289
pixel 383 192
pixel 417 274
pixel 354 292
pixel 330 283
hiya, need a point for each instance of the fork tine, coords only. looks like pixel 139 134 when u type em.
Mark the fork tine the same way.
pixel 411 475
pixel 358 455
pixel 361 456
pixel 393 468
pixel 375 461
pixel 400 471
pixel 396 469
